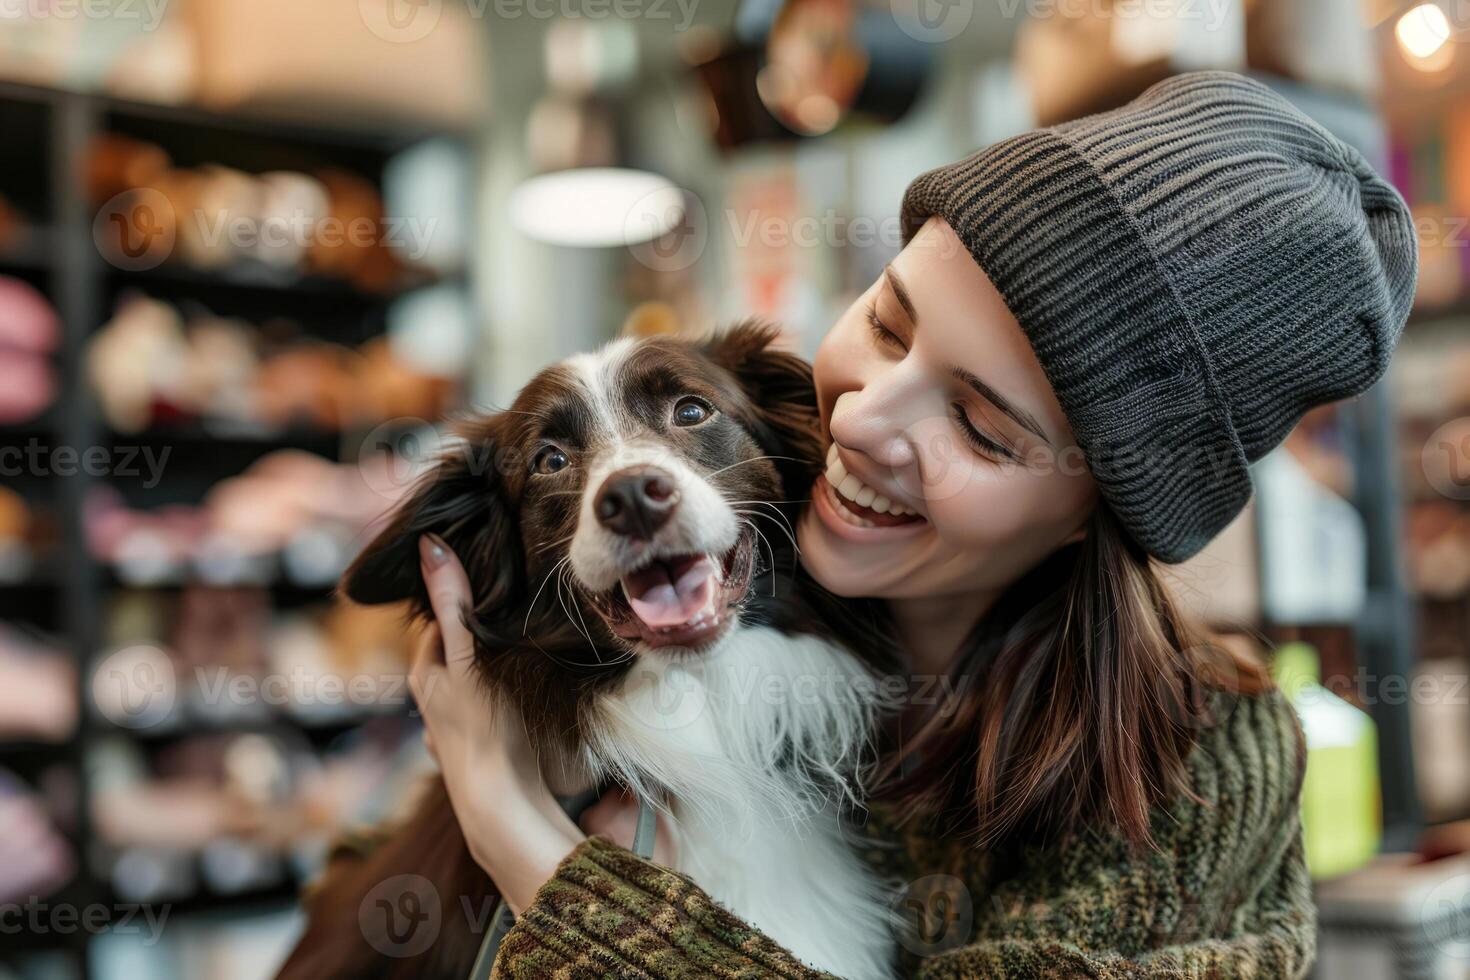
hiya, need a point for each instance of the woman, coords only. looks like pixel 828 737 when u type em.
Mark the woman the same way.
pixel 1090 333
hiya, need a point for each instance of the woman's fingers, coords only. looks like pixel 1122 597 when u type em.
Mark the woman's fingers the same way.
pixel 449 593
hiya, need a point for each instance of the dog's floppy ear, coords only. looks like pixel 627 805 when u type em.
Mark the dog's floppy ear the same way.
pixel 462 501
pixel 779 384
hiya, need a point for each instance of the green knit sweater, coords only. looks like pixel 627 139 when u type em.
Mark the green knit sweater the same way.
pixel 1225 894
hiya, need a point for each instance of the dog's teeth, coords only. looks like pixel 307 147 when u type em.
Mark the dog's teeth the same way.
pixel 831 454
pixel 865 496
pixel 898 510
pixel 881 504
pixel 850 486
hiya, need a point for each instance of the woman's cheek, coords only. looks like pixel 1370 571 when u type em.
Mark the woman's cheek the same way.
pixel 947 468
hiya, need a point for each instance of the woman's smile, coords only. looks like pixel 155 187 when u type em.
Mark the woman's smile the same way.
pixel 856 504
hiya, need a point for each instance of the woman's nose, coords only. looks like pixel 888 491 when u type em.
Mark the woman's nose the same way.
pixel 863 421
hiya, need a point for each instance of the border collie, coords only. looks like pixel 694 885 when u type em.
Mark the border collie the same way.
pixel 627 527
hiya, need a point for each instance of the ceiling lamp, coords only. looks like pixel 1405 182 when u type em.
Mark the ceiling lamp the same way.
pixel 1422 32
pixel 596 207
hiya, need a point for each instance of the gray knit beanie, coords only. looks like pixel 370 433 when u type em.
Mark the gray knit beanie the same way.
pixel 1195 271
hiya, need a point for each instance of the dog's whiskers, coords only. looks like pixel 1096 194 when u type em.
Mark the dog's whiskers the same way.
pixel 526 626
pixel 753 459
pixel 552 544
pixel 779 518
pixel 751 524
pixel 582 628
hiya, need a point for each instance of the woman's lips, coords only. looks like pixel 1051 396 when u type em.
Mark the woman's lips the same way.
pixel 848 520
pixel 866 502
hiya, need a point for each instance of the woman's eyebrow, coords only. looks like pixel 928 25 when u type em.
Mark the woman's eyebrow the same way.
pixel 1021 417
pixel 901 294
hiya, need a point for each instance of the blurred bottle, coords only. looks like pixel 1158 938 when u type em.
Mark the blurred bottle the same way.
pixel 1342 819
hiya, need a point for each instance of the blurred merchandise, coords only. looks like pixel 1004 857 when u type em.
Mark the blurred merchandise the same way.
pixel 1093 57
pixel 38 689
pixel 1341 821
pixel 28 338
pixel 148 365
pixel 1399 918
pixel 331 223
pixel 285 56
pixel 34 857
pixel 1323 43
pixel 1313 551
pixel 290 514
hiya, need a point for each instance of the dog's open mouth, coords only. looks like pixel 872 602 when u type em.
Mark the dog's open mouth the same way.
pixel 683 600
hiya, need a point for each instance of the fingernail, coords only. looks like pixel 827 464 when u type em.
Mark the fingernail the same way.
pixel 433 552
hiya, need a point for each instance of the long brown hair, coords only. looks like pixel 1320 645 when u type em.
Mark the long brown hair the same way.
pixel 1075 703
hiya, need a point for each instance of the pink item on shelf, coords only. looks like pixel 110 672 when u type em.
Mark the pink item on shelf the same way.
pixel 27 384
pixel 34 858
pixel 27 321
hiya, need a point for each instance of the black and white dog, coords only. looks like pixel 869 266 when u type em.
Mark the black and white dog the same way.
pixel 628 529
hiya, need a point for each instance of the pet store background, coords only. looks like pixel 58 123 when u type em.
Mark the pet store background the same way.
pixel 252 253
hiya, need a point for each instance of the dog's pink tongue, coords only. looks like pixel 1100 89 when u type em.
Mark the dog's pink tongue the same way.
pixel 671 594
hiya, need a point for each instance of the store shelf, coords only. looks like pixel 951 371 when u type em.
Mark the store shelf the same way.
pixel 49 134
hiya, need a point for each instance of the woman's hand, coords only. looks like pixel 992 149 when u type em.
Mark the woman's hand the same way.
pixel 515 828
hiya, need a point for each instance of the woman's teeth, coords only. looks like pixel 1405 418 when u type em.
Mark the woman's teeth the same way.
pixel 858 492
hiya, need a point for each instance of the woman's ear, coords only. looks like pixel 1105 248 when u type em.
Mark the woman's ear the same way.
pixel 779 386
pixel 462 501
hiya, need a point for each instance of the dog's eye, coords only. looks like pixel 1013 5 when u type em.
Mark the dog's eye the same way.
pixel 690 411
pixel 551 459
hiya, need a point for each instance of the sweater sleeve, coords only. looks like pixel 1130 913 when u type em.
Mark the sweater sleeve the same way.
pixel 608 913
pixel 1226 895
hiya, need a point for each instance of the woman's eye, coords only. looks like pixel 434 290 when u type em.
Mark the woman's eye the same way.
pixel 880 331
pixel 690 411
pixel 551 460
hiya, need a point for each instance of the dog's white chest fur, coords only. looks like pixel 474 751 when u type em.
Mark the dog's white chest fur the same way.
pixel 745 744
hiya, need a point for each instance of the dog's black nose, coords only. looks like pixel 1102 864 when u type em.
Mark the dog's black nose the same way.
pixel 636 502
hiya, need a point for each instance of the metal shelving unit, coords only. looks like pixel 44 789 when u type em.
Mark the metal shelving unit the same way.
pixel 47 145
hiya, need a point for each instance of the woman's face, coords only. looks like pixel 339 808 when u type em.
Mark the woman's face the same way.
pixel 955 469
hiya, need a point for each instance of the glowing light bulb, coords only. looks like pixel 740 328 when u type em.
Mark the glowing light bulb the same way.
pixel 1422 31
